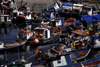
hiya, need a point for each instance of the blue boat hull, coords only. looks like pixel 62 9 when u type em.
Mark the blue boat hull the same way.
pixel 47 41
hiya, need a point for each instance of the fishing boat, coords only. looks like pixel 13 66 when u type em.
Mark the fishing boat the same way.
pixel 66 61
pixel 87 10
pixel 36 22
pixel 69 59
pixel 70 10
pixel 18 63
pixel 68 26
pixel 97 17
pixel 5 20
pixel 22 39
pixel 62 49
pixel 46 34
pixel 78 36
pixel 95 40
pixel 21 19
pixel 89 22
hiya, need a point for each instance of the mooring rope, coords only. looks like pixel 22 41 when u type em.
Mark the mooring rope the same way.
pixel 31 56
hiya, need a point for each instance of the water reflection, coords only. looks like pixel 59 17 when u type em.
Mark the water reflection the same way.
pixel 27 52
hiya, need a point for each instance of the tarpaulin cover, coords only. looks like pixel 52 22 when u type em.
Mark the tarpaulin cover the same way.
pixel 67 4
pixel 97 16
pixel 78 22
pixel 88 18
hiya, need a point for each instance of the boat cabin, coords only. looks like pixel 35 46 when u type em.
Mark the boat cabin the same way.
pixel 1 44
pixel 64 60
pixel 54 6
pixel 67 7
pixel 57 22
pixel 89 22
pixel 79 35
pixel 48 14
pixel 95 41
pixel 43 32
pixel 77 8
pixel 26 34
pixel 4 18
pixel 98 22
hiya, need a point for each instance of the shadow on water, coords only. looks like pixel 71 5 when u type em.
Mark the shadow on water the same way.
pixel 27 51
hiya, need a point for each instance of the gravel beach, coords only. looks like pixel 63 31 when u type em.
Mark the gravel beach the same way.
pixel 36 5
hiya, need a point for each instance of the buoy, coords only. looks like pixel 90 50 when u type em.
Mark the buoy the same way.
pixel 5 7
pixel 41 26
pixel 39 51
pixel 36 41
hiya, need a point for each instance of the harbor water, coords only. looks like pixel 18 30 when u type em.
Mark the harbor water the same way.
pixel 27 51
pixel 7 56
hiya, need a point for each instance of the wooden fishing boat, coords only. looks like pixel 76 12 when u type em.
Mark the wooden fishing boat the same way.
pixel 89 22
pixel 68 63
pixel 68 26
pixel 11 45
pixel 71 10
pixel 64 49
pixel 5 20
pixel 69 59
pixel 36 22
pixel 61 49
pixel 78 36
pixel 45 34
pixel 21 19
pixel 22 39
pixel 95 40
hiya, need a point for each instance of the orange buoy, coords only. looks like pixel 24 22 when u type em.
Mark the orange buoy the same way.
pixel 81 41
pixel 36 41
pixel 39 51
pixel 5 7
pixel 41 26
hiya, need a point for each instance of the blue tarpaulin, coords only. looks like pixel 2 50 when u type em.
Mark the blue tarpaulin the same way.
pixel 67 4
pixel 48 16
pixel 78 22
pixel 95 37
pixel 97 16
pixel 88 18
pixel 58 9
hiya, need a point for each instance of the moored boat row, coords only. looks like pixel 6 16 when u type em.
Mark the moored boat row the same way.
pixel 78 28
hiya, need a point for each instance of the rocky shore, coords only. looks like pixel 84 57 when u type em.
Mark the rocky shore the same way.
pixel 38 5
